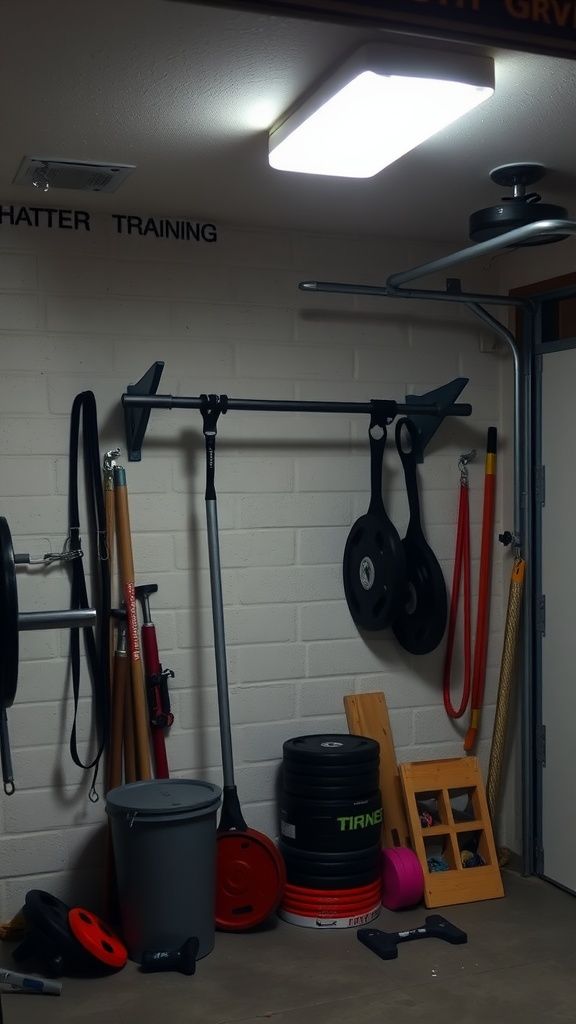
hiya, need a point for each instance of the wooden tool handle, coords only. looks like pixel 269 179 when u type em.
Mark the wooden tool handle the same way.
pixel 119 681
pixel 130 773
pixel 125 555
pixel 110 516
pixel 126 561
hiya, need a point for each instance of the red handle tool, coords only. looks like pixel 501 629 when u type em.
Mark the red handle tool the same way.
pixel 484 588
pixel 160 714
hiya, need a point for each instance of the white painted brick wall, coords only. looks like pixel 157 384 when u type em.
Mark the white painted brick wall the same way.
pixel 93 312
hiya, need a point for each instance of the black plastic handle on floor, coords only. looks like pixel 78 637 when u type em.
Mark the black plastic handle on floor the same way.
pixel 385 944
pixel 182 960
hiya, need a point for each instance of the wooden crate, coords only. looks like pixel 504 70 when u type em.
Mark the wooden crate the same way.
pixel 441 788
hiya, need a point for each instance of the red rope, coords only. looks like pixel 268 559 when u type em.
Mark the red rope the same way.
pixel 461 564
pixel 484 587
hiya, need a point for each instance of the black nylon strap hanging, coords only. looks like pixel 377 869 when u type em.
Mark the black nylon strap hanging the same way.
pixel 96 641
pixel 210 408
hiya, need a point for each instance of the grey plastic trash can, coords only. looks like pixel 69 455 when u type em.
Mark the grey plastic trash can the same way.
pixel 164 843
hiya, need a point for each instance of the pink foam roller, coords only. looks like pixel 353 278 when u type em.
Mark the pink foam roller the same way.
pixel 402 878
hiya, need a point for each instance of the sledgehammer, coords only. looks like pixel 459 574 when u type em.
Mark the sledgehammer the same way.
pixel 385 944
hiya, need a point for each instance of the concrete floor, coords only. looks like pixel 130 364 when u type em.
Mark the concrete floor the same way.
pixel 519 965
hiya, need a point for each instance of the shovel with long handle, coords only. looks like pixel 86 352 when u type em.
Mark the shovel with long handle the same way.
pixel 250 871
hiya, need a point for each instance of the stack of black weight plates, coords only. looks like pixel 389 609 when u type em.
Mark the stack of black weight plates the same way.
pixel 331 821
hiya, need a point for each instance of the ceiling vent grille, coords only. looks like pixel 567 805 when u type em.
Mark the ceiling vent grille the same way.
pixel 79 176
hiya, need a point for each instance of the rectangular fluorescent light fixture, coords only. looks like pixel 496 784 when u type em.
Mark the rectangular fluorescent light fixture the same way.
pixel 378 106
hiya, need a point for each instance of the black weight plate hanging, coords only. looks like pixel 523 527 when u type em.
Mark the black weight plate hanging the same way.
pixel 374 567
pixel 8 619
pixel 420 621
pixel 330 749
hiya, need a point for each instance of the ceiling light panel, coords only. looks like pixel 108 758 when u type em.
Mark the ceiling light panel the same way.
pixel 377 107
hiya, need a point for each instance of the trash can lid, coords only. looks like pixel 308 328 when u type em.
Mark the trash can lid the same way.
pixel 163 796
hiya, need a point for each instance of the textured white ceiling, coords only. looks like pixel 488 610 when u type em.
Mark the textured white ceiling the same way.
pixel 187 92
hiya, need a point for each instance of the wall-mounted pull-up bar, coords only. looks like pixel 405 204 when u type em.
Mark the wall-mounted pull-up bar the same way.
pixel 394 288
pixel 426 411
pixel 399 286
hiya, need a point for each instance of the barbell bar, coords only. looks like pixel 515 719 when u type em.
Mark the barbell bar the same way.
pixel 12 622
pixel 76 618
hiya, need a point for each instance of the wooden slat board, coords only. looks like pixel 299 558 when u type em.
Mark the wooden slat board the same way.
pixel 367 715
pixel 441 781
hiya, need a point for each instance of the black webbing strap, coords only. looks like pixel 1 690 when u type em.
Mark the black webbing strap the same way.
pixel 84 423
pixel 210 407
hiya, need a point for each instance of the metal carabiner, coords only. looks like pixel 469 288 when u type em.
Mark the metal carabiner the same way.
pixel 463 465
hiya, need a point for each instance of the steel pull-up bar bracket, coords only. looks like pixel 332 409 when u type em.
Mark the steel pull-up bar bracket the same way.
pixel 426 426
pixel 431 408
pixel 136 417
